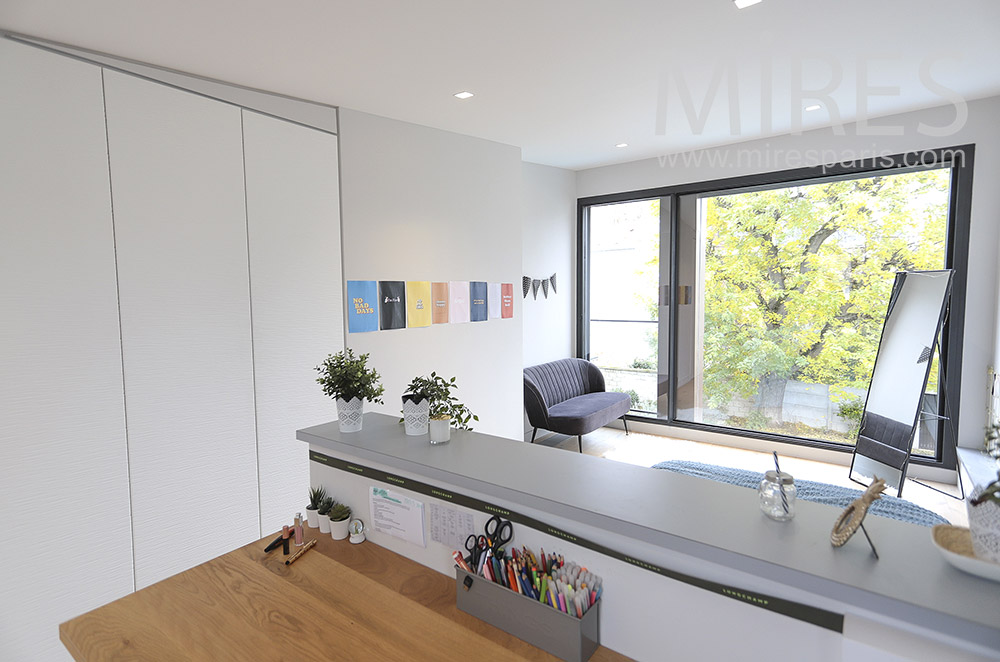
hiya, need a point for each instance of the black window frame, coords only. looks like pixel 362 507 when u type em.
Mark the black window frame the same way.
pixel 959 158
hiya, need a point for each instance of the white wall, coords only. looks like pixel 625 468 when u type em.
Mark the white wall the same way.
pixel 424 204
pixel 549 219
pixel 64 493
pixel 146 414
pixel 823 146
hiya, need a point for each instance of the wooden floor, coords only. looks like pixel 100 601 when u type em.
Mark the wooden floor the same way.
pixel 648 449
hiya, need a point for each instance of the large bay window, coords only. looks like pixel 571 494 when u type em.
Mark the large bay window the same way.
pixel 754 305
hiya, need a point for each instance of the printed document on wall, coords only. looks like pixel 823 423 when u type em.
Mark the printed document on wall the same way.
pixel 397 515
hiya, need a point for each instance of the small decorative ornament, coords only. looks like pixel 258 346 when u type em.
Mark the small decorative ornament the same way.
pixel 853 516
pixel 525 285
pixel 357 530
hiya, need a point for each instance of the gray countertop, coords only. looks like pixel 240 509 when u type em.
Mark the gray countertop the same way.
pixel 712 521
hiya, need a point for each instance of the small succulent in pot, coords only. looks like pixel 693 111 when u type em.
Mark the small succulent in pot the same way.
pixel 322 515
pixel 339 512
pixel 316 496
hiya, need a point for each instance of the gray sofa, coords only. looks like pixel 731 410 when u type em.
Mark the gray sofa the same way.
pixel 567 396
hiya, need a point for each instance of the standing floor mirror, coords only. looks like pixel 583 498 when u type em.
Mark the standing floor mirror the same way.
pixel 910 334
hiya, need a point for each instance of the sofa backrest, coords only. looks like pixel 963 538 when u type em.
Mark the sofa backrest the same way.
pixel 558 381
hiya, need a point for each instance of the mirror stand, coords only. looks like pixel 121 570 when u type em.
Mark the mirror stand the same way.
pixel 903 364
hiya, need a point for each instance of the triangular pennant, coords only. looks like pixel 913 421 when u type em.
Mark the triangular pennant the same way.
pixel 525 285
pixel 545 288
pixel 552 279
pixel 534 287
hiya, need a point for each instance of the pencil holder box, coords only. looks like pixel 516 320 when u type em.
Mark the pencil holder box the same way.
pixel 567 637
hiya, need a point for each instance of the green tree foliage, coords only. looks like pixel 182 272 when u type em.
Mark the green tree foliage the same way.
pixel 797 279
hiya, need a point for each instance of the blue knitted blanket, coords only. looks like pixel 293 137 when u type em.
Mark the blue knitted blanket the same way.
pixel 833 495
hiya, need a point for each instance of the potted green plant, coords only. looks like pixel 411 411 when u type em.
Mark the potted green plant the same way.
pixel 316 496
pixel 349 380
pixel 444 409
pixel 339 515
pixel 417 399
pixel 323 513
pixel 984 522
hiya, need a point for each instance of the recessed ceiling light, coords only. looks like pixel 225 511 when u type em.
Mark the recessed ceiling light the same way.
pixel 622 145
pixel 743 4
pixel 815 106
pixel 464 95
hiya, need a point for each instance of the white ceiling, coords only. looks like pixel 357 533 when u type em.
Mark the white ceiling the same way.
pixel 565 80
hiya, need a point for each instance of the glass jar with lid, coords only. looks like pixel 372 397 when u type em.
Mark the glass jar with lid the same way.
pixel 777 495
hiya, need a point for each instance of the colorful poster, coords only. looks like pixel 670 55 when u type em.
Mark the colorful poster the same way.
pixel 507 300
pixel 458 301
pixel 439 303
pixel 362 306
pixel 477 301
pixel 494 300
pixel 418 303
pixel 392 304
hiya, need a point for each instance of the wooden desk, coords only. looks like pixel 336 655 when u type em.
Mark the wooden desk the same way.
pixel 339 601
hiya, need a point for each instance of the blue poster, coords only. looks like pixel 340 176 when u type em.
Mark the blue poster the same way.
pixel 362 306
pixel 477 301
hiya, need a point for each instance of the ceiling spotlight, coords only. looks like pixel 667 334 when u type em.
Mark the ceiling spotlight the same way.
pixel 813 107
pixel 622 145
pixel 464 95
pixel 743 4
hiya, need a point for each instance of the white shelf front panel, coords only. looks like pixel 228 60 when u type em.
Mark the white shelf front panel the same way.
pixel 177 176
pixel 293 225
pixel 62 432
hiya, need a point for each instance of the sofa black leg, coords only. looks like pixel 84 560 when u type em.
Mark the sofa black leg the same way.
pixel 579 441
pixel 625 423
pixel 533 433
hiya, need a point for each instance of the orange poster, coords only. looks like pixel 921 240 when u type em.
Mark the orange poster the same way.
pixel 439 303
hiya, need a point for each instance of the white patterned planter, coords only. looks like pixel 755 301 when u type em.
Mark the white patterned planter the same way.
pixel 312 518
pixel 415 414
pixel 351 413
pixel 440 430
pixel 324 524
pixel 984 528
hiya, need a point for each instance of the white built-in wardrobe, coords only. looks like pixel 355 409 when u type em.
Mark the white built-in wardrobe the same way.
pixel 170 273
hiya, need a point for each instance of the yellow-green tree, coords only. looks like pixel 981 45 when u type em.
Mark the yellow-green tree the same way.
pixel 797 279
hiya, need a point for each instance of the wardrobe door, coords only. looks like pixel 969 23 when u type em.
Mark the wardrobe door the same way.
pixel 63 459
pixel 177 180
pixel 293 224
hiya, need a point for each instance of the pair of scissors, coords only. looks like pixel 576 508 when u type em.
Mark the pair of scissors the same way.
pixel 498 533
pixel 476 546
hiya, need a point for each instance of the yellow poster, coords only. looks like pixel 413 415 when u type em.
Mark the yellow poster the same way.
pixel 418 303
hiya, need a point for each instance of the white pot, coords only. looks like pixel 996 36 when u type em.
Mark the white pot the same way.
pixel 984 527
pixel 312 517
pixel 338 530
pixel 415 415
pixel 324 523
pixel 351 413
pixel 440 430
